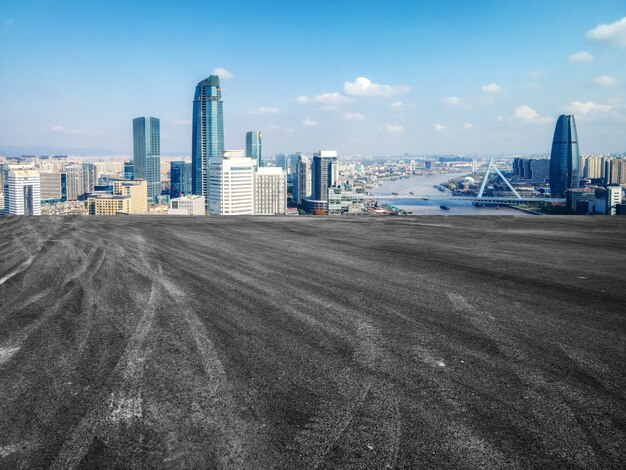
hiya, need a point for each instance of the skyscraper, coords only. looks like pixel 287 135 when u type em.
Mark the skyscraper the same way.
pixel 147 153
pixel 324 173
pixel 254 147
pixel 302 181
pixel 231 182
pixel 74 181
pixel 129 170
pixel 180 178
pixel 90 177
pixel 207 132
pixel 564 159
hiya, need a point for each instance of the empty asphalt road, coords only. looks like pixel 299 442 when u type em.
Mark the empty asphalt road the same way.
pixel 427 342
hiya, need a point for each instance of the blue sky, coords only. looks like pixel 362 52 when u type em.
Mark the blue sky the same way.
pixel 371 78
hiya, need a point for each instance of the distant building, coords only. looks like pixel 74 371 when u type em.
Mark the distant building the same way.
pixel 302 181
pixel 128 197
pixel 180 178
pixel 187 205
pixel 565 158
pixel 346 199
pixel 207 132
pixel 147 153
pixel 231 185
pixel 254 147
pixel 607 199
pixel 22 191
pixel 580 200
pixel 535 171
pixel 129 170
pixel 324 173
pixel 90 177
pixel 270 191
pixel 50 186
pixel 314 206
pixel 74 181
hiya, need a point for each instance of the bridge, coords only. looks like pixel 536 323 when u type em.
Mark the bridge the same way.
pixel 516 198
pixel 444 197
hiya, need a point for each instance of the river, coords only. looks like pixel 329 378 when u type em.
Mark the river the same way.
pixel 423 186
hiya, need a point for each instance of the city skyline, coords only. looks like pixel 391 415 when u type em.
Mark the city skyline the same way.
pixel 486 78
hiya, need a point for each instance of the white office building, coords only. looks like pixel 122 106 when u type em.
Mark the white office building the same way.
pixel 231 184
pixel 187 205
pixel 270 188
pixel 22 191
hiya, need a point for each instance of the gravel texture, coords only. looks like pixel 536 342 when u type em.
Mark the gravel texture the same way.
pixel 349 343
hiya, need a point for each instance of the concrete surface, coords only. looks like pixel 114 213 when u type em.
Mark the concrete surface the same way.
pixel 429 342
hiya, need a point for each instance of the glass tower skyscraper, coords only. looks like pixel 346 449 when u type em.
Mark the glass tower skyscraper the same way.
pixel 254 147
pixel 147 153
pixel 207 132
pixel 565 158
pixel 324 174
pixel 180 178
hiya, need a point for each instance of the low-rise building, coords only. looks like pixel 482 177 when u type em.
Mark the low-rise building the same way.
pixel 187 205
pixel 346 199
pixel 128 197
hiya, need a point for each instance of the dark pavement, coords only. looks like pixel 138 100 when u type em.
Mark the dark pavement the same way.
pixel 352 343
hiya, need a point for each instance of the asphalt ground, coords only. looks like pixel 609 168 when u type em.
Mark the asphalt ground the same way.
pixel 406 342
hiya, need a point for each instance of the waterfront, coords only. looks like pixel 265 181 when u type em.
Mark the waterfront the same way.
pixel 422 186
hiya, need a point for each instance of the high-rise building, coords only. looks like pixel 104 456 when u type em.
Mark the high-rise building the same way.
pixel 129 170
pixel 180 178
pixel 22 191
pixel 231 185
pixel 90 177
pixel 302 181
pixel 207 132
pixel 270 191
pixel 565 158
pixel 324 173
pixel 50 186
pixel 607 199
pixel 254 147
pixel 147 153
pixel 74 181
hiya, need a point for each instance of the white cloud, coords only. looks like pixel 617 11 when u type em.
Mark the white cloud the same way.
pixel 468 125
pixel 354 117
pixel 605 80
pixel 614 33
pixel 223 73
pixel 394 129
pixel 582 56
pixel 182 122
pixel 491 88
pixel 399 106
pixel 309 123
pixel 364 87
pixel 578 107
pixel 452 100
pixel 9 22
pixel 440 127
pixel 528 114
pixel 264 110
pixel 324 98
pixel 57 128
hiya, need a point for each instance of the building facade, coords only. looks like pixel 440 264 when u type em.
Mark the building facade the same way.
pixel 207 132
pixel 254 147
pixel 346 199
pixel 74 181
pixel 180 178
pixel 302 181
pixel 128 197
pixel 129 170
pixel 324 173
pixel 22 191
pixel 187 205
pixel 565 157
pixel 270 191
pixel 90 177
pixel 231 185
pixel 50 186
pixel 147 153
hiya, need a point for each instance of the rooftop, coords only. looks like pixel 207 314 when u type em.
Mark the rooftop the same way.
pixel 300 342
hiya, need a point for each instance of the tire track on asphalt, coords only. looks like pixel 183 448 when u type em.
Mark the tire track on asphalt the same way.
pixel 539 395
